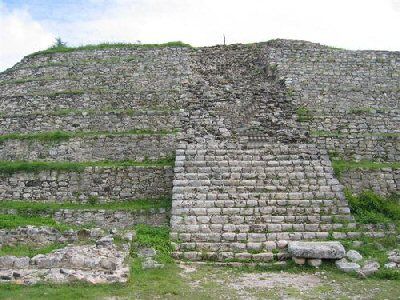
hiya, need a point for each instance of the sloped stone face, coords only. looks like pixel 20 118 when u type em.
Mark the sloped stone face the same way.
pixel 320 250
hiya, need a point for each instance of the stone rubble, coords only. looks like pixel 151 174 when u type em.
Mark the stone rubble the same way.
pixel 103 262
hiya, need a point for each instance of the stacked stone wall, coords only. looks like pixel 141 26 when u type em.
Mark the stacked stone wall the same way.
pixel 130 147
pixel 103 183
pixel 351 99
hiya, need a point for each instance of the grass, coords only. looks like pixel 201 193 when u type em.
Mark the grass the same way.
pixel 366 110
pixel 9 167
pixel 14 221
pixel 28 208
pixel 371 208
pixel 209 280
pixel 66 135
pixel 154 237
pixel 28 250
pixel 103 46
pixel 303 114
pixel 29 79
pixel 340 165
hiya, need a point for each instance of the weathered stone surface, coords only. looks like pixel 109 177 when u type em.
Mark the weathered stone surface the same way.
pixel 88 263
pixel 321 250
pixel 299 260
pixel 314 262
pixel 369 268
pixel 353 256
pixel 346 266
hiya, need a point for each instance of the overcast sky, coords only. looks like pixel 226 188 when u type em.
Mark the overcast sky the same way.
pixel 28 26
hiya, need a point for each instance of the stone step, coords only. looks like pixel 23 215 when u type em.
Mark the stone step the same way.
pixel 272 210
pixel 322 192
pixel 300 178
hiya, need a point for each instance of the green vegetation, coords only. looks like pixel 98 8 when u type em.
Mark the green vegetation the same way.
pixel 64 48
pixel 370 208
pixel 28 250
pixel 9 167
pixel 29 208
pixel 304 114
pixel 32 79
pixel 154 237
pixel 340 165
pixel 66 135
pixel 14 221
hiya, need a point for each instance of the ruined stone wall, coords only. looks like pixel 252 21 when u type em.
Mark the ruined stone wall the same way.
pixel 129 147
pixel 115 104
pixel 383 180
pixel 104 183
pixel 101 218
pixel 349 99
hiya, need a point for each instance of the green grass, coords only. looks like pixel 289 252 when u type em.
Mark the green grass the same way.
pixel 371 208
pixel 30 79
pixel 304 114
pixel 28 208
pixel 340 165
pixel 29 250
pixel 366 110
pixel 66 135
pixel 64 49
pixel 154 237
pixel 14 221
pixel 9 167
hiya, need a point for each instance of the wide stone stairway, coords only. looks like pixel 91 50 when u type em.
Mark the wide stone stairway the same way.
pixel 233 202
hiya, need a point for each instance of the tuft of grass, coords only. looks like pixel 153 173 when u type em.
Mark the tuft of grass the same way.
pixel 28 250
pixel 154 237
pixel 371 208
pixel 340 165
pixel 102 46
pixel 9 167
pixel 66 135
pixel 14 221
pixel 304 114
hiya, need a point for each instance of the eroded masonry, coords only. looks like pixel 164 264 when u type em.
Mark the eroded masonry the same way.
pixel 242 137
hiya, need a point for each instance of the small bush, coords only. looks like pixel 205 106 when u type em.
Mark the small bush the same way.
pixel 304 114
pixel 93 200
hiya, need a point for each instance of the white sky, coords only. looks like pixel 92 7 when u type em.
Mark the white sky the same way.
pixel 352 24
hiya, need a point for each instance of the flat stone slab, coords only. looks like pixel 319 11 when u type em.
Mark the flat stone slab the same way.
pixel 320 250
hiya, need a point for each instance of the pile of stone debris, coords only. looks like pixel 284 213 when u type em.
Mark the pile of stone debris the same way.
pixel 102 262
pixel 313 253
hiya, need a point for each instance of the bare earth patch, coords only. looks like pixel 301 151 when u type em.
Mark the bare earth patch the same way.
pixel 302 282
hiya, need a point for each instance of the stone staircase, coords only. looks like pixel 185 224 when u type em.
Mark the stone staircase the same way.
pixel 235 202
